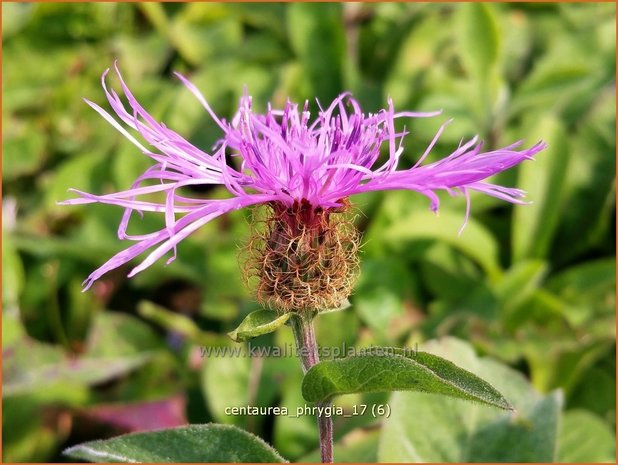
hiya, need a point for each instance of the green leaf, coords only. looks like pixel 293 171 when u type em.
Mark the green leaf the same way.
pixel 589 290
pixel 418 53
pixel 381 292
pixel 596 390
pixel 267 16
pixel 529 438
pixel 518 40
pixel 203 41
pixel 117 345
pixel 155 13
pixel 180 324
pixel 127 165
pixel 562 360
pixel 337 330
pixel 590 186
pixel 238 377
pixel 534 225
pixel 516 288
pixel 551 84
pixel 475 240
pixel 448 274
pixel 520 280
pixel 292 435
pixel 195 443
pixel 21 377
pixel 258 323
pixel 115 334
pixel 24 151
pixel 585 438
pixel 225 383
pixel 569 73
pixel 14 17
pixel 317 36
pixel 392 369
pixel 425 428
pixel 479 38
pixel 12 328
pixel 78 172
pixel 26 437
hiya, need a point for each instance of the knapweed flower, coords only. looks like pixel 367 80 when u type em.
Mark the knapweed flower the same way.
pixel 303 169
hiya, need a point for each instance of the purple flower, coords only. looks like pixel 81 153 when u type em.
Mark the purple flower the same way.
pixel 284 158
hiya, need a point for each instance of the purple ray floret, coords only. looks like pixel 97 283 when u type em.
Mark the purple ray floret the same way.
pixel 283 156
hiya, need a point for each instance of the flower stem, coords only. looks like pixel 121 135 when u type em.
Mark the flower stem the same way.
pixel 307 349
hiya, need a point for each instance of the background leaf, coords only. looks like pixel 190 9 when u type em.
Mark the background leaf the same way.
pixel 534 227
pixel 479 39
pixel 317 36
pixel 458 431
pixel 426 225
pixel 599 445
pixel 197 443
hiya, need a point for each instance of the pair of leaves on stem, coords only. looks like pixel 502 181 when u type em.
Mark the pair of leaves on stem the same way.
pixel 370 370
pixel 378 369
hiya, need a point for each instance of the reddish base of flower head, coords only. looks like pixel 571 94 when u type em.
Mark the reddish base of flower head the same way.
pixel 303 257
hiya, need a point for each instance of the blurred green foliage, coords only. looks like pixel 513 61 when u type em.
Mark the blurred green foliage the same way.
pixel 532 286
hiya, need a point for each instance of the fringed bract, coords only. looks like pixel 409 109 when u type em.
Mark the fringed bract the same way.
pixel 302 257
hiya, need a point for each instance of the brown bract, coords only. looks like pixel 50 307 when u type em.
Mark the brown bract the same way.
pixel 302 257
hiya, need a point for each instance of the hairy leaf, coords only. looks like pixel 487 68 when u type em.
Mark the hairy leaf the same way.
pixel 391 369
pixel 195 443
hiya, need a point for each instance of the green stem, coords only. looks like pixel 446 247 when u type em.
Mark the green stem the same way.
pixel 307 350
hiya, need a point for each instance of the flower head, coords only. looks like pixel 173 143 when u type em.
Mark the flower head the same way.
pixel 304 169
